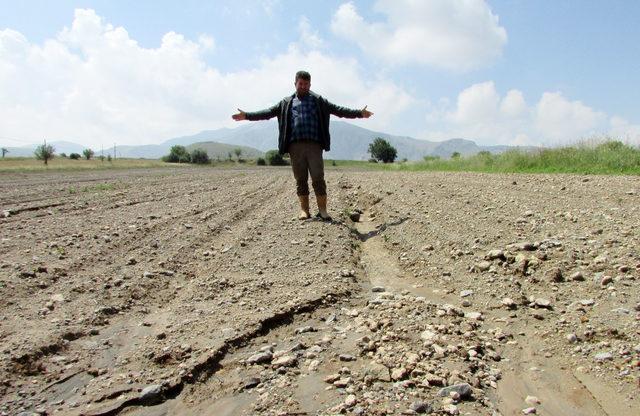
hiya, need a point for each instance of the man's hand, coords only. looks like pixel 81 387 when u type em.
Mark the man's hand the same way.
pixel 366 113
pixel 241 115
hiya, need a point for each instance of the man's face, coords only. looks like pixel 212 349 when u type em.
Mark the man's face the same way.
pixel 302 87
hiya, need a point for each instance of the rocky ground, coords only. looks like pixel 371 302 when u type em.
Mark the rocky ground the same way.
pixel 197 292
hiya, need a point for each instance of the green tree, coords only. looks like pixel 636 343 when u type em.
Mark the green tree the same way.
pixel 88 153
pixel 44 152
pixel 274 158
pixel 455 155
pixel 199 156
pixel 177 154
pixel 261 162
pixel 238 152
pixel 4 151
pixel 382 150
pixel 74 156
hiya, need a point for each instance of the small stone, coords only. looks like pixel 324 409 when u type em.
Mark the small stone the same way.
pixel 354 216
pixel 399 373
pixel 554 275
pixel 347 357
pixel 148 274
pixel 476 316
pixel 494 254
pixel 377 289
pixel 482 266
pixel 532 400
pixel 427 335
pixel 332 378
pixel 285 361
pixel 542 303
pixel 151 394
pixel 251 383
pixel 378 372
pixel 259 358
pixel 508 303
pixel 529 411
pixel 342 383
pixel 304 329
pixel 606 280
pixel 466 293
pixel 572 338
pixel 578 277
pixel 421 407
pixel 463 389
pixel 587 302
pixel 350 401
pixel 603 356
pixel 451 409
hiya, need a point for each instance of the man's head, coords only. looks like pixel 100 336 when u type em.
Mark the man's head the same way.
pixel 302 83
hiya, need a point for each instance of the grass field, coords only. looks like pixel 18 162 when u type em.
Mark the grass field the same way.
pixel 605 157
pixel 24 164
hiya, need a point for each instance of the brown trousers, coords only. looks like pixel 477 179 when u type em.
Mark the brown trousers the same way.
pixel 306 158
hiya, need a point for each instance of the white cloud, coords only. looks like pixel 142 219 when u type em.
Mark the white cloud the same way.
pixel 562 120
pixel 308 37
pixel 453 34
pixel 94 84
pixel 481 113
pixel 621 129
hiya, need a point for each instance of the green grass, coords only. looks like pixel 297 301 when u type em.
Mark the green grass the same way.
pixel 604 157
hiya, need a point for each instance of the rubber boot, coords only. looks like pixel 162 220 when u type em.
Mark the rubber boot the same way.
pixel 304 207
pixel 322 208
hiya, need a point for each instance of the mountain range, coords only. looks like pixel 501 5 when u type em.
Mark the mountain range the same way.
pixel 348 142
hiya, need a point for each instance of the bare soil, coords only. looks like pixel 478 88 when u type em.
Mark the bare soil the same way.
pixel 198 292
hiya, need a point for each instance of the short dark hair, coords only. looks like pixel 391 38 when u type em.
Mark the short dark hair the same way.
pixel 303 75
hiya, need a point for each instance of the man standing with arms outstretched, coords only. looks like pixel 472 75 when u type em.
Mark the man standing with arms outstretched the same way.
pixel 303 123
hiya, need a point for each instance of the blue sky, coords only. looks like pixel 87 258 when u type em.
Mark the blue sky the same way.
pixel 498 72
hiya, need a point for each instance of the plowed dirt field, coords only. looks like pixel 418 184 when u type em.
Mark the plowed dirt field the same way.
pixel 198 292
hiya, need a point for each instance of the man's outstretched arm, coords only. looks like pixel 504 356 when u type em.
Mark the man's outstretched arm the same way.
pixel 258 115
pixel 348 112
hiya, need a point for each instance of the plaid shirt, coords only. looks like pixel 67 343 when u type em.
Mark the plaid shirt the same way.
pixel 304 119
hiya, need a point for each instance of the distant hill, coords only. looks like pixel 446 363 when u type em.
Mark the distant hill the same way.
pixel 59 146
pixel 347 142
pixel 221 150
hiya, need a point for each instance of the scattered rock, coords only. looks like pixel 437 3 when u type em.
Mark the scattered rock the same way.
pixel 151 394
pixel 463 389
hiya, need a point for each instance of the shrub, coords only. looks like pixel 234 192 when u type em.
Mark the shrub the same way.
pixel 199 156
pixel 177 154
pixel 431 158
pixel 63 155
pixel 261 162
pixel 372 160
pixel 455 155
pixel 75 156
pixel 382 150
pixel 44 152
pixel 108 158
pixel 274 158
